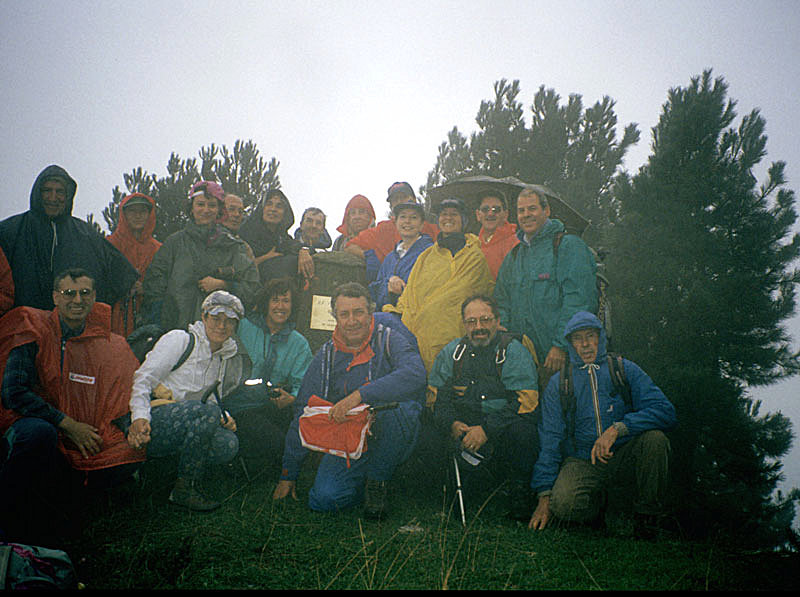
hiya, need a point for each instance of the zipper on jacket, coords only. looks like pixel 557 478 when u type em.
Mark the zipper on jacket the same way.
pixel 591 368
pixel 54 244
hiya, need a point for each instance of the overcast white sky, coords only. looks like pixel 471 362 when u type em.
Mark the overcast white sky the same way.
pixel 351 96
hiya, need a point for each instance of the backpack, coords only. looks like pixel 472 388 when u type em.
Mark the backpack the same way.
pixel 566 389
pixel 382 335
pixel 603 302
pixel 142 339
pixel 31 567
pixel 500 355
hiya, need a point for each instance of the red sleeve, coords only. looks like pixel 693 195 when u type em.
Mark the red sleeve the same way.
pixel 366 239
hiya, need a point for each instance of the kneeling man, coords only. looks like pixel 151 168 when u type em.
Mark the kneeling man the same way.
pixel 486 396
pixel 65 377
pixel 364 362
pixel 601 434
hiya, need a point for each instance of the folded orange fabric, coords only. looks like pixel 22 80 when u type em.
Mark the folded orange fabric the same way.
pixel 346 440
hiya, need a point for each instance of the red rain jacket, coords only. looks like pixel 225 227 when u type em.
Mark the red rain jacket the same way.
pixel 93 386
pixel 140 253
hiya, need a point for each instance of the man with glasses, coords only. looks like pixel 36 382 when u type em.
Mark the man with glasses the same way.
pixel 486 395
pixel 498 236
pixel 65 377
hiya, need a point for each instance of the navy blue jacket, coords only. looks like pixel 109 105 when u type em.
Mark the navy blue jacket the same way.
pixel 398 375
pixel 39 247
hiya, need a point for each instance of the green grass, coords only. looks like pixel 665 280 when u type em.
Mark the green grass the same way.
pixel 136 540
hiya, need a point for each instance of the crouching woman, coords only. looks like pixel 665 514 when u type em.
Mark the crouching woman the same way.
pixel 177 409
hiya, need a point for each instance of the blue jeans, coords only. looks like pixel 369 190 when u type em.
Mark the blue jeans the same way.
pixel 395 435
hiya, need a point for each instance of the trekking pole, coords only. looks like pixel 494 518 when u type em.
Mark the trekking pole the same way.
pixel 380 407
pixel 459 492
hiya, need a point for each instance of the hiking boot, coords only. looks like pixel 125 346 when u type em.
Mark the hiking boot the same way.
pixel 375 499
pixel 519 501
pixel 186 494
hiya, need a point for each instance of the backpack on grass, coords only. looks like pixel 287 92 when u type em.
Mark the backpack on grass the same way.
pixel 30 567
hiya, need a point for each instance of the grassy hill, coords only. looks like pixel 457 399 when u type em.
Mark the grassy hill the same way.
pixel 133 539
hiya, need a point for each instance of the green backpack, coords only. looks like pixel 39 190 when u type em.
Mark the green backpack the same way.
pixel 31 567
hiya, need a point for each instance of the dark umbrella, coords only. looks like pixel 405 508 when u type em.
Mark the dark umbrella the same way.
pixel 471 189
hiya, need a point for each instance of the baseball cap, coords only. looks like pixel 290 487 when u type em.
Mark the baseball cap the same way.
pixel 138 199
pixel 221 301
pixel 400 187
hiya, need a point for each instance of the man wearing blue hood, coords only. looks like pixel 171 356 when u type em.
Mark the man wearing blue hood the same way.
pixel 47 239
pixel 585 447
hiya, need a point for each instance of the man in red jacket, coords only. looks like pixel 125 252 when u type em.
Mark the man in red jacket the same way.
pixel 498 235
pixel 65 377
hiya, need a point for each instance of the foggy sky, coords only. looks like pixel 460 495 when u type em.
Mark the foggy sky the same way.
pixel 352 96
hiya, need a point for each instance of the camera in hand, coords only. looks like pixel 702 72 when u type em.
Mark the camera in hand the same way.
pixel 273 391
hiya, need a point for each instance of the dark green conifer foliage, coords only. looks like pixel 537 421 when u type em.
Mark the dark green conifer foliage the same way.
pixel 241 171
pixel 703 281
pixel 571 149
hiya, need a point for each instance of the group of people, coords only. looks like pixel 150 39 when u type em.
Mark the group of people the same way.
pixel 485 344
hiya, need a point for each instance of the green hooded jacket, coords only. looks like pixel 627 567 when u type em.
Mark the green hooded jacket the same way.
pixel 537 294
pixel 172 297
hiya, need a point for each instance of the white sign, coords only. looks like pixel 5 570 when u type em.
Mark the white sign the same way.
pixel 321 316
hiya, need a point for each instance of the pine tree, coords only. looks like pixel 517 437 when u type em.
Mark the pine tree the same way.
pixel 572 150
pixel 703 283
pixel 242 172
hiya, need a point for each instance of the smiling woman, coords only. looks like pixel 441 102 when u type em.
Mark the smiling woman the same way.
pixel 280 358
pixel 443 276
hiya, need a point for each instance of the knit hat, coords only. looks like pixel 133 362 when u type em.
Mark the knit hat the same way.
pixel 208 188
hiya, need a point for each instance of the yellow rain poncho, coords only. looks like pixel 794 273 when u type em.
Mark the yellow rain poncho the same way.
pixel 430 305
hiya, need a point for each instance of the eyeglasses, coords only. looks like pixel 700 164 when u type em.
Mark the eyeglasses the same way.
pixel 472 321
pixel 71 292
pixel 495 209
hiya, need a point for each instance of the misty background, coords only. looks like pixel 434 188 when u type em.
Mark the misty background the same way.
pixel 352 96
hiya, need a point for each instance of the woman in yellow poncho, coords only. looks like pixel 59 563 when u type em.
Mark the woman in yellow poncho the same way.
pixel 444 275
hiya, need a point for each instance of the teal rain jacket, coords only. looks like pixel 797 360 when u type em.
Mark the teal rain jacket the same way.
pixel 537 294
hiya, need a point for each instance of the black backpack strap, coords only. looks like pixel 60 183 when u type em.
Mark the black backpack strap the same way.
pixel 502 349
pixel 616 369
pixel 566 392
pixel 186 352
